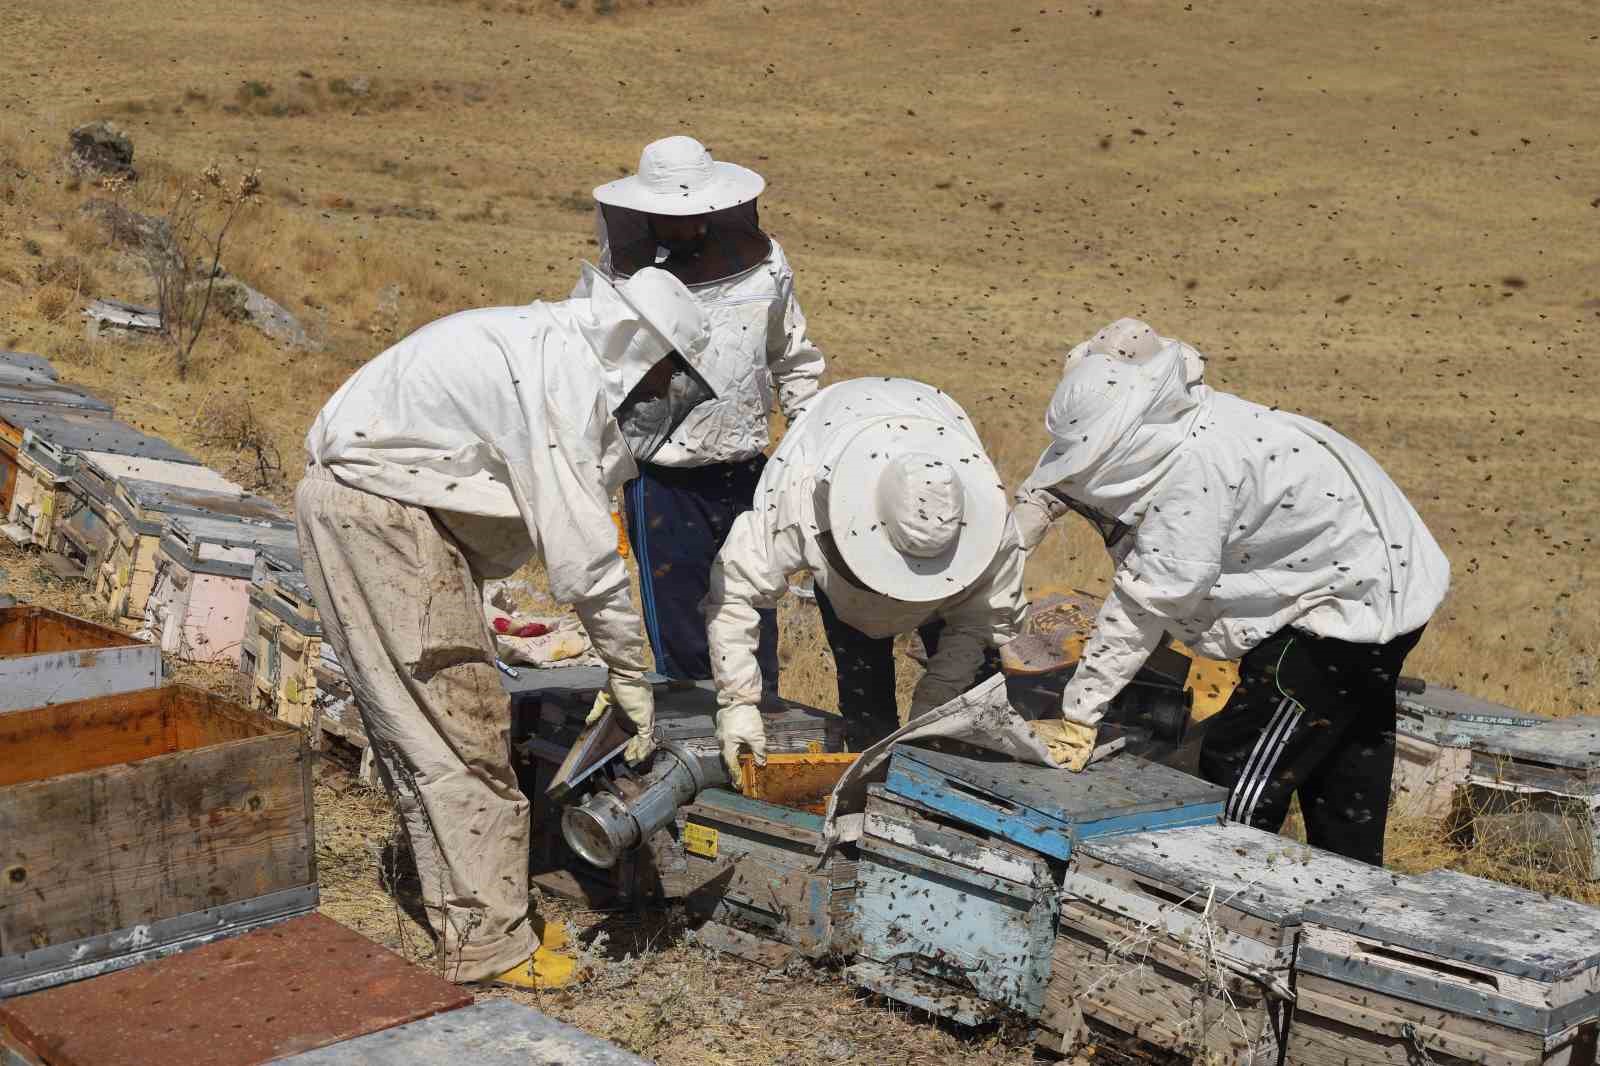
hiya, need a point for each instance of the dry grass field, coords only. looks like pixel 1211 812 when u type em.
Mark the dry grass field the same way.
pixel 1383 214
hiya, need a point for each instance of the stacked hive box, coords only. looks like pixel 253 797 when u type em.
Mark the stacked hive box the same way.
pixel 1434 732
pixel 141 511
pixel 1447 970
pixel 47 658
pixel 283 638
pixel 135 825
pixel 984 828
pixel 1535 794
pixel 1185 938
pixel 201 594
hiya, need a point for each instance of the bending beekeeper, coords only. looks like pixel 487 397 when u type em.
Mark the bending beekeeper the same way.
pixel 696 218
pixel 882 491
pixel 1248 533
pixel 474 444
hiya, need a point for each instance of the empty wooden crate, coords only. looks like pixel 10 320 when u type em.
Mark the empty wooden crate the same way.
pixel 1534 795
pixel 132 826
pixel 1185 938
pixel 47 657
pixel 1434 733
pixel 1446 970
pixel 950 918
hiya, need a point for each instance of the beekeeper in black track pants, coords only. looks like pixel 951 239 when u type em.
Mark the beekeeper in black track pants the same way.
pixel 1248 533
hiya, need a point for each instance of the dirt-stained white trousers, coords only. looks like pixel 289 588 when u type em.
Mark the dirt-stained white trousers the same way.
pixel 404 613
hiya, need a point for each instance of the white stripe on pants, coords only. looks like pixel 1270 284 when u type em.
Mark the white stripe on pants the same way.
pixel 404 613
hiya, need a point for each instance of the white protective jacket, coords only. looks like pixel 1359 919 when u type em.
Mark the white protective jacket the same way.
pixel 758 342
pixel 1241 520
pixel 499 420
pixel 779 537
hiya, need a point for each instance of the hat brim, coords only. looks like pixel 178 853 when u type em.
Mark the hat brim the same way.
pixel 860 534
pixel 730 186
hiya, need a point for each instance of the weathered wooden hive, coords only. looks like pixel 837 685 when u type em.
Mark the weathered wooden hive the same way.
pixel 1434 732
pixel 1447 970
pixel 283 638
pixel 756 870
pixel 269 994
pixel 201 594
pixel 970 962
pixel 26 490
pixel 65 430
pixel 950 918
pixel 1185 938
pixel 47 657
pixel 1535 794
pixel 82 531
pixel 135 825
pixel 141 511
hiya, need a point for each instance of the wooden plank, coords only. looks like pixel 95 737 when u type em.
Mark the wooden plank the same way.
pixel 94 852
pixel 1339 1025
pixel 47 742
pixel 492 1033
pixel 935 997
pixel 743 945
pixel 1565 742
pixel 912 825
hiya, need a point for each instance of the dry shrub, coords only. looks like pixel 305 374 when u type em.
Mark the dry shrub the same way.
pixel 66 271
pixel 52 302
pixel 228 421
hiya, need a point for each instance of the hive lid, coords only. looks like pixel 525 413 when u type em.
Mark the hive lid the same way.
pixel 83 431
pixel 1470 920
pixel 1569 742
pixel 1446 716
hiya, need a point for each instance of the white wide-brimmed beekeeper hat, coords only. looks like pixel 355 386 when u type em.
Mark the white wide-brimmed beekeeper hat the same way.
pixel 915 507
pixel 677 176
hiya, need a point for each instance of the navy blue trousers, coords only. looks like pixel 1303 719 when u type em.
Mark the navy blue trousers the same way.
pixel 865 667
pixel 678 518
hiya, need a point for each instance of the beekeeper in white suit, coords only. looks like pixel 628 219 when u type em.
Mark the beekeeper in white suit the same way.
pixel 1248 533
pixel 474 444
pixel 695 217
pixel 882 491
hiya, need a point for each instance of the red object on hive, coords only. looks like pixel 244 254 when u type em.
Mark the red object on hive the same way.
pixel 533 629
pixel 501 625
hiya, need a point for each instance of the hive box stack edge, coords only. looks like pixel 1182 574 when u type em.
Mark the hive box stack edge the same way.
pixel 47 657
pixel 1534 794
pixel 201 594
pixel 283 638
pixel 910 950
pixel 1434 732
pixel 1185 938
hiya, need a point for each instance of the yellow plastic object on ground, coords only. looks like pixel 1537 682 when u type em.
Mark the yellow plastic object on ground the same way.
pixel 800 781
pixel 622 533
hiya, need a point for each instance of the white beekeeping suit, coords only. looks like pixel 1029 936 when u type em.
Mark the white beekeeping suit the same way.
pixel 1228 521
pixel 475 443
pixel 882 491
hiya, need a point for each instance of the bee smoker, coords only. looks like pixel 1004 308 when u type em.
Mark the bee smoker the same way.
pixel 623 810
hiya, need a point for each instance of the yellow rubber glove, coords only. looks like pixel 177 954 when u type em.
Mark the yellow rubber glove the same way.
pixel 637 700
pixel 1070 744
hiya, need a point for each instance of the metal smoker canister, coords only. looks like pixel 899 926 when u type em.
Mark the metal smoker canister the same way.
pixel 605 826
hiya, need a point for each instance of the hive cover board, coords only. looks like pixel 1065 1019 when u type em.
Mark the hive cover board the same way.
pixel 26 366
pixel 1572 743
pixel 304 984
pixel 494 1033
pixel 1458 925
pixel 88 431
pixel 1045 808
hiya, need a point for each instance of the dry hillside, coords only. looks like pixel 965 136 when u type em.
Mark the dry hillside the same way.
pixel 1382 214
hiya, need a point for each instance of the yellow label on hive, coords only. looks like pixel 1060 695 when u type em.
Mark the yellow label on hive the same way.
pixel 700 840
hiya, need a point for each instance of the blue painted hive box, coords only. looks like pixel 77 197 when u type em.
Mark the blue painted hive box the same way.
pixel 1447 969
pixel 1045 809
pixel 949 919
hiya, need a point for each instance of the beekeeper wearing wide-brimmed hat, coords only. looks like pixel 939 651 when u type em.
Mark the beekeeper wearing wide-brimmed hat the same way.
pixel 882 491
pixel 474 444
pixel 696 218
pixel 1247 533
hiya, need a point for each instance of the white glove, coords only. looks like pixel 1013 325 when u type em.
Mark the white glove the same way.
pixel 1032 522
pixel 736 725
pixel 637 699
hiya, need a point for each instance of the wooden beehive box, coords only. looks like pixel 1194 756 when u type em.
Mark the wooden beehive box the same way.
pixel 755 866
pixel 495 1032
pixel 1447 969
pixel 283 638
pixel 47 657
pixel 1434 733
pixel 135 825
pixel 950 919
pixel 1535 794
pixel 1045 809
pixel 1185 938
pixel 201 596
pixel 83 529
pixel 271 993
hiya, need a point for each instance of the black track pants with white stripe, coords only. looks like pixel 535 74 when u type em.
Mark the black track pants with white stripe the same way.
pixel 1315 716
